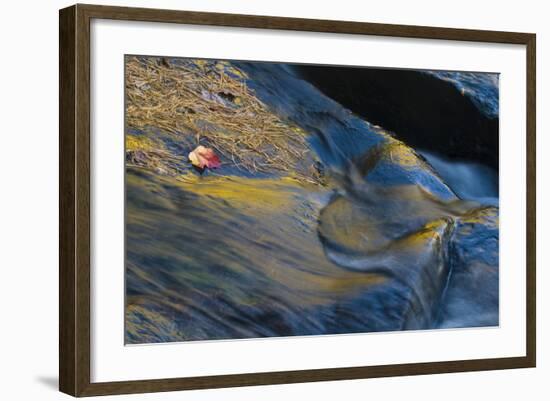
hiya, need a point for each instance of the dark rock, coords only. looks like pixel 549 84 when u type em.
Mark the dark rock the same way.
pixel 425 112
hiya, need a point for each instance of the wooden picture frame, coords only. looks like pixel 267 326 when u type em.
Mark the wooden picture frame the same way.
pixel 74 205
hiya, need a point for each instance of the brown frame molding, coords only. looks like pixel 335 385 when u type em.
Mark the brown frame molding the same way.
pixel 74 199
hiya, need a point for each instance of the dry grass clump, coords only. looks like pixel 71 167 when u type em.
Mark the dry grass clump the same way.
pixel 208 103
pixel 142 151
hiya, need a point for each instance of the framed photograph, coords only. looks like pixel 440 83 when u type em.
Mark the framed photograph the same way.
pixel 250 200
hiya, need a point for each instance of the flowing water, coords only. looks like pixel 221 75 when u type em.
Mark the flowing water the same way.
pixel 469 180
pixel 393 240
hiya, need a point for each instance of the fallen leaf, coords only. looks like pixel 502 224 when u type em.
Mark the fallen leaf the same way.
pixel 203 157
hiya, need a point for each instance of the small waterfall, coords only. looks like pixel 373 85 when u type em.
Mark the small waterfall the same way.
pixel 469 180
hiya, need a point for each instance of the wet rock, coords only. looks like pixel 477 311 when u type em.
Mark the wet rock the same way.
pixel 423 110
pixel 472 297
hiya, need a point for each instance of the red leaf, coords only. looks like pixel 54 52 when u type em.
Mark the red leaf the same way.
pixel 203 157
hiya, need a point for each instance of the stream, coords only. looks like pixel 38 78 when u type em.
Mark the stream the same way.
pixel 398 237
